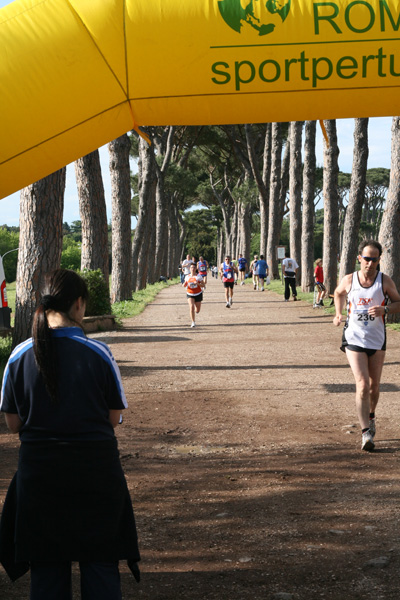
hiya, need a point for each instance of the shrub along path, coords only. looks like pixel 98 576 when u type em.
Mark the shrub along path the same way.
pixel 242 454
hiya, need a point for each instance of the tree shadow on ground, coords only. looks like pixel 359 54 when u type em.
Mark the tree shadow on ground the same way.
pixel 221 525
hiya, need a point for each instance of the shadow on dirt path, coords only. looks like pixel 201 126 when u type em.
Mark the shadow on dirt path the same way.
pixel 242 453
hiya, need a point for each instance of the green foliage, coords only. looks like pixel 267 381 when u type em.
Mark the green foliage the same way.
pixel 182 181
pixel 254 246
pixel 5 351
pixel 131 308
pixel 99 299
pixel 71 254
pixel 76 230
pixel 247 193
pixel 201 237
pixel 9 240
pixel 378 176
pixel 135 206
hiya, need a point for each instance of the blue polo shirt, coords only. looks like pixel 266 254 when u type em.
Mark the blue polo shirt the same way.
pixel 89 385
pixel 262 267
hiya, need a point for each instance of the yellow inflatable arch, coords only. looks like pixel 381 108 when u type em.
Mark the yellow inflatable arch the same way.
pixel 76 74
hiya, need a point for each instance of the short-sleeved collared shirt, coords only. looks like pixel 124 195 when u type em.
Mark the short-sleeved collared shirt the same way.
pixel 89 386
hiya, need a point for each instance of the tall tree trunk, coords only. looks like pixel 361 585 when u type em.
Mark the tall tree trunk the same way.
pixel 274 198
pixel 245 229
pixel 161 227
pixel 264 202
pixel 182 234
pixel 144 227
pixel 121 281
pixel 295 130
pixel 172 236
pixel 161 257
pixel 92 208
pixel 307 232
pixel 389 235
pixel 177 233
pixel 285 174
pixel 222 250
pixel 331 207
pixel 262 180
pixel 234 230
pixel 356 198
pixel 40 245
pixel 145 255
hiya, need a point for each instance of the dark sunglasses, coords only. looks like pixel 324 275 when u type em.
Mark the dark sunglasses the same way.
pixel 373 259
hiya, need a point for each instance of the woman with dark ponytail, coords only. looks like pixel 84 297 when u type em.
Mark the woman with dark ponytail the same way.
pixel 68 501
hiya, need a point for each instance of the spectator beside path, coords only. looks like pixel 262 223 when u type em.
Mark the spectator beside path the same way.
pixel 289 270
pixel 69 500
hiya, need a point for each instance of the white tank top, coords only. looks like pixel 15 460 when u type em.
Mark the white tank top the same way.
pixel 361 329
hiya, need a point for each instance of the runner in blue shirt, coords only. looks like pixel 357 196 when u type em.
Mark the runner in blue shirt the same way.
pixel 242 268
pixel 262 271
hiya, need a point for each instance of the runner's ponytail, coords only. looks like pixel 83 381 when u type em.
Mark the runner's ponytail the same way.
pixel 62 288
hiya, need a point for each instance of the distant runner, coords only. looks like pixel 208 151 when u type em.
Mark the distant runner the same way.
pixel 227 271
pixel 186 265
pixel 194 284
pixel 319 282
pixel 242 262
pixel 262 271
pixel 364 333
pixel 253 270
pixel 202 267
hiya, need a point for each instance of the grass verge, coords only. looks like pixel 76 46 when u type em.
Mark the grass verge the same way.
pixel 278 287
pixel 140 299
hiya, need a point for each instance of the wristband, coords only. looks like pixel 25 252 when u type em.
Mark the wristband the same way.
pixel 386 310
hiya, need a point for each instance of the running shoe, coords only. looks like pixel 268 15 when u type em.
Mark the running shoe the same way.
pixel 228 305
pixel 193 324
pixel 294 298
pixel 255 287
pixel 262 289
pixel 372 427
pixel 231 301
pixel 367 441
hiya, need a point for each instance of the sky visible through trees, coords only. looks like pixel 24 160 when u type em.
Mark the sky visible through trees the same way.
pixel 379 156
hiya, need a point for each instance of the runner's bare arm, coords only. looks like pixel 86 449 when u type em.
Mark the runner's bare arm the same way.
pixel 340 298
pixel 389 289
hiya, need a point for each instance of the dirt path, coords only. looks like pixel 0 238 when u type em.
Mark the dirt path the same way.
pixel 241 450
